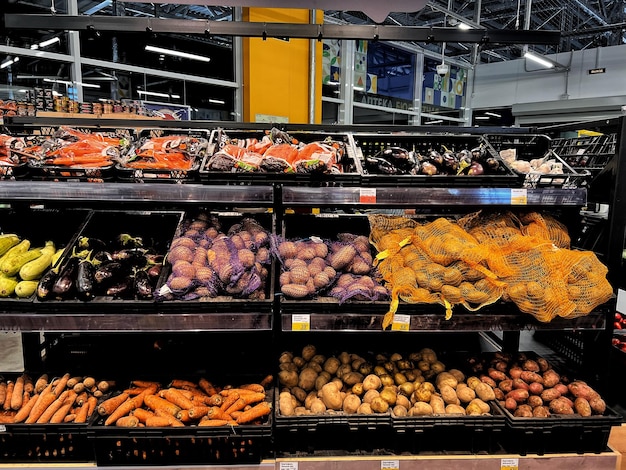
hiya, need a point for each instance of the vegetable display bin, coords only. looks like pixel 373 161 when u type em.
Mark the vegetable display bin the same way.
pixel 39 226
pixel 345 172
pixel 188 144
pixel 123 243
pixel 430 160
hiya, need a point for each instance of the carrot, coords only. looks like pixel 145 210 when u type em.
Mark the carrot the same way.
pixel 217 422
pixel 6 418
pixel 253 388
pixel 146 383
pixel 52 408
pixel 216 413
pixel 256 412
pixel 64 409
pixel 81 414
pixel 214 400
pixel 178 383
pixel 197 412
pixel 239 405
pixel 9 394
pixel 127 422
pixel 207 387
pixel 183 416
pixel 124 409
pixel 108 406
pixel 69 418
pixel 91 405
pixel 25 398
pixel 46 398
pixel 81 398
pixel 18 393
pixel 172 420
pixel 41 383
pixel 267 381
pixel 157 421
pixel 135 390
pixel 157 403
pixel 142 414
pixel 3 391
pixel 175 396
pixel 251 398
pixel 229 400
pixel 61 384
pixel 25 410
pixel 29 386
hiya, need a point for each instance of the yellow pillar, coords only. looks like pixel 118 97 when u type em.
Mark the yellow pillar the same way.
pixel 276 72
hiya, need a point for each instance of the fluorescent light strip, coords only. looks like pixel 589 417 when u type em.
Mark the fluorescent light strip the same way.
pixel 436 121
pixel 211 100
pixel 482 118
pixel 539 60
pixel 154 93
pixel 489 113
pixel 185 55
pixel 464 26
pixel 46 43
pixel 63 82
pixel 6 63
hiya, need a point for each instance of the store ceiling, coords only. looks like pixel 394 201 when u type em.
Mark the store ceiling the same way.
pixel 583 24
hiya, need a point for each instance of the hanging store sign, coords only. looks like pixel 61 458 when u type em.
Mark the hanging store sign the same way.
pixel 597 71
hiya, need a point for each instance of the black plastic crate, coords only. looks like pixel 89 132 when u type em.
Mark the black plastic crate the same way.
pixel 349 173
pixel 559 433
pixel 126 173
pixel 155 228
pixel 530 147
pixel 14 172
pixel 369 145
pixel 450 433
pixel 192 301
pixel 40 226
pixel 45 443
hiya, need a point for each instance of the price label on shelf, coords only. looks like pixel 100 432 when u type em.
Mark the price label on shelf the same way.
pixel 519 196
pixel 509 464
pixel 401 323
pixel 389 465
pixel 300 322
pixel 367 195
pixel 288 466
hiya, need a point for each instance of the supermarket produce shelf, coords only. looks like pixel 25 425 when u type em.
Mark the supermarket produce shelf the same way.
pixel 123 321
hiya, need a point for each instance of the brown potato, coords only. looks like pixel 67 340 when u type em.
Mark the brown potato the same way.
pixel 488 380
pixel 357 389
pixel 485 392
pixel 352 378
pixel 598 406
pixel 372 382
pixel 582 406
pixel 541 412
pixel 299 393
pixel 400 410
pixel 452 409
pixel 550 394
pixel 535 401
pixel 331 365
pixel 379 405
pixel 465 393
pixel 370 395
pixel 449 395
pixel 523 411
pixel 286 404
pixel 403 401
pixel 550 378
pixel 506 385
pixel 472 382
pixel 421 409
pixel 484 407
pixel 306 379
pixel 582 390
pixel 331 396
pixel 317 406
pixel 351 404
pixel 446 378
pixel 437 404
pixel 458 375
pixel 288 378
pixel 496 375
pixel 364 409
pixel 561 406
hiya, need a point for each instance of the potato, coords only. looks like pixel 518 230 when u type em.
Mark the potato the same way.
pixel 519 395
pixel 484 407
pixel 510 404
pixel 351 404
pixel 352 378
pixel 306 379
pixel 530 377
pixel 455 410
pixel 389 394
pixel 550 394
pixel 379 405
pixel 318 359
pixel 446 378
pixel 424 392
pixel 309 399
pixel 299 361
pixel 561 406
pixel 370 395
pixel 488 380
pixel 322 379
pixel 364 409
pixel 288 378
pixel 338 382
pixel 523 411
pixel 535 388
pixel 403 401
pixel 562 388
pixel 331 365
pixel 472 382
pixel 399 378
pixel 485 392
pixel 458 375
pixel 317 406
pixel 535 401
pixel 582 406
pixel 499 394
pixel 387 380
pixel 357 389
pixel 407 388
pixel 598 406
pixel 286 404
pixel 449 395
pixel 400 411
pixel 301 411
pixel 582 390
pixel 285 357
pixel 496 375
pixel 299 394
pixel 437 404
pixel 372 382
pixel 550 378
pixel 289 366
pixel 515 372
pixel 343 370
pixel 465 393
pixel 531 366
pixel 541 412
pixel 520 384
pixel 437 367
pixel 315 366
pixel 506 385
pixel 331 396
pixel 544 365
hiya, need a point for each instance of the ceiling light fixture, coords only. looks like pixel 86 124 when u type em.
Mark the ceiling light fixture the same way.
pixel 211 100
pixel 9 62
pixel 539 59
pixel 482 118
pixel 463 26
pixel 46 43
pixel 436 121
pixel 184 55
pixel 155 93
pixel 489 113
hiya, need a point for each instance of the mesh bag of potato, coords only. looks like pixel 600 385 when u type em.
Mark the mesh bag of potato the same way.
pixel 481 258
pixel 340 268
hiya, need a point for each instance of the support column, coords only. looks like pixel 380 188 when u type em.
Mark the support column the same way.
pixel 76 72
pixel 277 72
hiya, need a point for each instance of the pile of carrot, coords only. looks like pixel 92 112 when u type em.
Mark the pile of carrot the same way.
pixel 174 152
pixel 65 399
pixel 186 403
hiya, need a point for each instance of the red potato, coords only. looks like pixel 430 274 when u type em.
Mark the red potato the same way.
pixel 519 384
pixel 515 372
pixel 535 388
pixel 561 406
pixel 519 395
pixel 550 378
pixel 550 394
pixel 506 385
pixel 530 377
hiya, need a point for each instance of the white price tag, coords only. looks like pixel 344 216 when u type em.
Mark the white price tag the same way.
pixel 288 466
pixel 389 465
pixel 367 195
pixel 401 323
pixel 300 322
pixel 3 428
pixel 509 464
pixel 519 196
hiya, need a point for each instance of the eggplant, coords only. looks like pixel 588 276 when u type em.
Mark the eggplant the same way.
pixel 85 279
pixel 450 162
pixel 435 158
pixel 46 282
pixel 475 169
pixel 428 169
pixel 134 256
pixel 65 282
pixel 110 272
pixel 378 165
pixel 102 256
pixel 143 286
pixel 154 271
pixel 122 288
